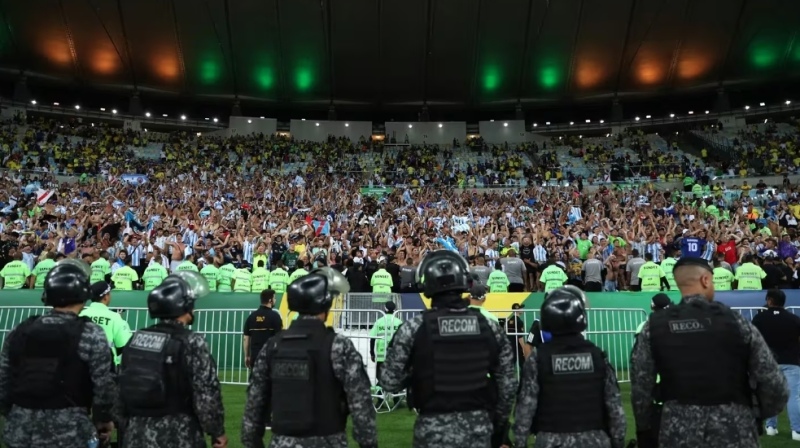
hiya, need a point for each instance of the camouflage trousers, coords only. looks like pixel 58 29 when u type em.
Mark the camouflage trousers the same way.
pixel 471 429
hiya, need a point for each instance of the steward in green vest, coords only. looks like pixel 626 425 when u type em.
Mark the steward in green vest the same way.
pixel 381 281
pixel 211 272
pixel 153 276
pixel 187 265
pixel 298 272
pixel 225 277
pixel 116 328
pixel 242 280
pixel 260 277
pixel 101 269
pixel 279 278
pixel 381 335
pixel 42 268
pixel 498 281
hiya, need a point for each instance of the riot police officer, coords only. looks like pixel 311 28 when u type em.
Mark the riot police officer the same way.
pixel 711 362
pixel 569 394
pixel 458 365
pixel 309 375
pixel 55 367
pixel 169 387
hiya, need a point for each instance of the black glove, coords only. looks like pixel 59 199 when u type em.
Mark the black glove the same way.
pixel 500 434
pixel 646 439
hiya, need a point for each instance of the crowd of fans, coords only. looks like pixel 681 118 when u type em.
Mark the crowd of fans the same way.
pixel 226 205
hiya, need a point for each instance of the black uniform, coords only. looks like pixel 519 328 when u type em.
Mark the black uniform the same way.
pixel 781 331
pixel 260 326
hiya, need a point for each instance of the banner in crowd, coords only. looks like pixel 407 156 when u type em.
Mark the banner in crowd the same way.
pixel 134 179
pixel 375 191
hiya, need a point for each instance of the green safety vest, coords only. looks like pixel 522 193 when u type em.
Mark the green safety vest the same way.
pixel 297 274
pixel 187 266
pixel 100 268
pixel 383 331
pixel 381 281
pixel 260 279
pixel 211 273
pixel 498 281
pixel 124 277
pixel 224 277
pixel 278 279
pixel 116 328
pixel 15 274
pixel 41 270
pixel 242 281
pixel 153 276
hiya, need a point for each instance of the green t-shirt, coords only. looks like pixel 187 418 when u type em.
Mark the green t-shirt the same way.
pixel 290 259
pixel 381 282
pixel 722 279
pixel 100 268
pixel 224 277
pixel 153 276
pixel 583 248
pixel 211 273
pixel 297 274
pixel 650 276
pixel 382 331
pixel 498 281
pixel 41 270
pixel 260 279
pixel 124 277
pixel 553 277
pixel 14 274
pixel 749 277
pixel 278 279
pixel 116 328
pixel 187 265
pixel 486 313
pixel 242 282
pixel 688 181
pixel 668 265
pixel 697 190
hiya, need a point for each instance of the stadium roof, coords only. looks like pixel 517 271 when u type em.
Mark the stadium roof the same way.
pixel 470 54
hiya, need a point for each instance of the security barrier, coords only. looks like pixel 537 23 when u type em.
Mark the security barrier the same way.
pixel 364 302
pixel 611 329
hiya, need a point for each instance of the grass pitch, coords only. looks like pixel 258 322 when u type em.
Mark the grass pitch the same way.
pixel 395 429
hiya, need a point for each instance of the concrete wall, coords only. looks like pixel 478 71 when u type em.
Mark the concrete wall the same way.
pixel 252 125
pixel 318 131
pixel 502 131
pixel 436 133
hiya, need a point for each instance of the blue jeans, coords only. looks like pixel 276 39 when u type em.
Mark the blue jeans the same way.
pixel 610 286
pixel 792 374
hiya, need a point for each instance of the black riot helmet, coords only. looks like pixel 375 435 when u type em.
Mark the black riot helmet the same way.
pixel 68 283
pixel 443 271
pixel 176 295
pixel 564 311
pixel 314 293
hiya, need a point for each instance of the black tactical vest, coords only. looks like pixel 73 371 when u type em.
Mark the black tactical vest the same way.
pixel 453 353
pixel 700 354
pixel 571 374
pixel 47 372
pixel 154 380
pixel 307 399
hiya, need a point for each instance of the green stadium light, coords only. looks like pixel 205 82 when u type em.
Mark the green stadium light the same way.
pixel 303 79
pixel 491 78
pixel 549 76
pixel 265 78
pixel 210 71
pixel 764 55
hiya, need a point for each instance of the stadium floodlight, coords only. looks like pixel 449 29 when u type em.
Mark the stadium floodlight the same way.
pixel 249 121
pixel 199 134
pixel 608 135
pixel 637 118
pixel 580 136
pixel 317 124
pixel 648 116
pixel 548 123
pixel 746 107
pixel 92 124
pixel 588 121
pixel 505 125
pixel 102 109
pixel 766 120
pixel 33 102
pixel 671 115
pixel 302 119
pixel 207 118
pixel 410 126
pixel 602 121
pixel 788 102
pixel 571 123
pixel 691 112
pixel 215 119
pixel 347 125
pixel 147 114
pixel 534 125
pixel 492 121
pixel 113 111
pixel 707 112
pixel 56 104
pixel 164 115
pixel 77 107
pixel 183 117
pixel 441 125
pixel 762 104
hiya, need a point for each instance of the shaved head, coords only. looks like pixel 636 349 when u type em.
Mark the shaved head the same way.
pixel 695 279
